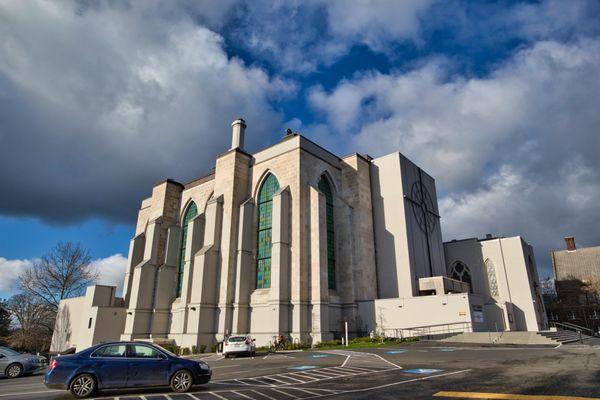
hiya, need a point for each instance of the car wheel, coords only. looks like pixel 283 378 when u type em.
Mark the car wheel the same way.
pixel 181 381
pixel 14 370
pixel 83 386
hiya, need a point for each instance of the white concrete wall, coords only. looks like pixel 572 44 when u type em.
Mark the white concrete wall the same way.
pixel 519 302
pixel 84 321
pixel 404 251
pixel 443 314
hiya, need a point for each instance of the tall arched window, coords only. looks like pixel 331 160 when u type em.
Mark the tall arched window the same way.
pixel 190 213
pixel 461 272
pixel 490 270
pixel 325 188
pixel 265 224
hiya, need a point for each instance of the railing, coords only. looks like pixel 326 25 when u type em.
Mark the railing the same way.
pixel 572 327
pixel 437 331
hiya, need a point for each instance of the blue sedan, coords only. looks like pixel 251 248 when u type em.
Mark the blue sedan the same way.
pixel 120 365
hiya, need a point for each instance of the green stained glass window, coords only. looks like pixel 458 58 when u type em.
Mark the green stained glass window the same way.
pixel 190 213
pixel 265 222
pixel 325 188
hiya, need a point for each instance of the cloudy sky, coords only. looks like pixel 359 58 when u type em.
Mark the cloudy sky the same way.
pixel 100 99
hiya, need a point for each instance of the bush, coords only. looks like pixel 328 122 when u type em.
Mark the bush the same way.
pixel 185 351
pixel 194 349
pixel 328 344
pixel 214 348
pixel 297 346
pixel 171 347
pixel 202 348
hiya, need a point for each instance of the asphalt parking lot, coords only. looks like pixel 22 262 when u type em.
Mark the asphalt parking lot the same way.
pixel 422 370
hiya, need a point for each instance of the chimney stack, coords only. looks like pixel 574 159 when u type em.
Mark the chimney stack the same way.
pixel 570 240
pixel 237 135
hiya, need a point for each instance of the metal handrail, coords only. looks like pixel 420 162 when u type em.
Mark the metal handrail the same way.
pixel 429 330
pixel 570 326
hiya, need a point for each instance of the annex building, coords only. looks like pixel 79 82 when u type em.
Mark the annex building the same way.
pixel 295 240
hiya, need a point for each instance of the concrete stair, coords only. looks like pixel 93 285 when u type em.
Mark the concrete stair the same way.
pixel 564 336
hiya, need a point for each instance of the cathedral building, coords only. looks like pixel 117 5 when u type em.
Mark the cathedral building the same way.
pixel 294 240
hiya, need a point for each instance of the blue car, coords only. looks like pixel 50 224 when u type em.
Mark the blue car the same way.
pixel 119 365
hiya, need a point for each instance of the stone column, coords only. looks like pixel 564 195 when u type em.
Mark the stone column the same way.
pixel 245 276
pixel 318 268
pixel 231 182
pixel 201 320
pixel 280 262
pixel 166 281
pixel 136 256
pixel 194 240
pixel 139 313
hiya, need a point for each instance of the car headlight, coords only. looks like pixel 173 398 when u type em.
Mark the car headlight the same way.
pixel 203 366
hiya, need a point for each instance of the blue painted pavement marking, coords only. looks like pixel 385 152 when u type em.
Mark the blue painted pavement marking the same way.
pixel 396 351
pixel 303 367
pixel 422 371
pixel 448 349
pixel 319 355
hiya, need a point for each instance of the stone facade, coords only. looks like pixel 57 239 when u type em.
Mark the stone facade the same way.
pixel 341 234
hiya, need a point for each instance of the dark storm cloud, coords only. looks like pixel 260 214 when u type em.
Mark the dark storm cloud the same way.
pixel 99 104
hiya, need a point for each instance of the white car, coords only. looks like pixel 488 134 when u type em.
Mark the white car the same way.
pixel 239 344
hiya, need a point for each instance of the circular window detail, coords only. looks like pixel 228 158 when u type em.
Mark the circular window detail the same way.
pixel 422 206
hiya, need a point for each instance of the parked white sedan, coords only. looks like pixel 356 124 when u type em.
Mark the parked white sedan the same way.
pixel 239 344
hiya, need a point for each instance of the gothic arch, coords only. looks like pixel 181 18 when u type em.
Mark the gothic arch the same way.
pixel 264 228
pixel 190 212
pixel 461 272
pixel 325 186
pixel 260 182
pixel 491 278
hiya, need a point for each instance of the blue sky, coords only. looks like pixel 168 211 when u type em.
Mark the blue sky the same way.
pixel 99 100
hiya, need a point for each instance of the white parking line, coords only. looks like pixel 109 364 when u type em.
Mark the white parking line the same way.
pixel 243 395
pixel 284 393
pixel 286 376
pixel 218 395
pixel 264 395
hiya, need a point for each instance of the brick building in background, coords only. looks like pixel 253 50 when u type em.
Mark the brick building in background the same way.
pixel 574 269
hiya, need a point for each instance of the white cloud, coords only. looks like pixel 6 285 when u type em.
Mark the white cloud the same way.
pixel 10 271
pixel 515 152
pixel 111 271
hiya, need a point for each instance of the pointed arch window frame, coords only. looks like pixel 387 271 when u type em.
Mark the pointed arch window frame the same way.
pixel 191 211
pixel 324 185
pixel 264 230
pixel 454 274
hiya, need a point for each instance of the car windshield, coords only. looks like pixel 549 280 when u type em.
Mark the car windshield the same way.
pixel 237 339
pixel 9 352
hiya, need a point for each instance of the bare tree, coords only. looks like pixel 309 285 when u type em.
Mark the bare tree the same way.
pixel 34 323
pixel 592 287
pixel 62 273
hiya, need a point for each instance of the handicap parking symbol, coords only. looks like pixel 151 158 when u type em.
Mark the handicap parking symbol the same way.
pixel 303 367
pixel 422 371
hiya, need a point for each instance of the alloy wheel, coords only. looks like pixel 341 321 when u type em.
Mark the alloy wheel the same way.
pixel 14 371
pixel 83 386
pixel 182 381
